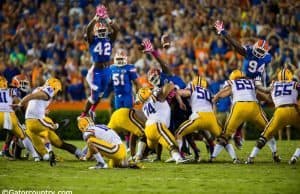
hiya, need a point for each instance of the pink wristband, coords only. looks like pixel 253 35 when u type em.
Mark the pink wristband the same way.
pixel 155 53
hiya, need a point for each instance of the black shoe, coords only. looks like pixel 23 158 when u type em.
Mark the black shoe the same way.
pixel 293 160
pixel 52 158
pixel 276 158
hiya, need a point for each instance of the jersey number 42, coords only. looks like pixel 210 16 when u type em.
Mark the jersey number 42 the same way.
pixel 103 49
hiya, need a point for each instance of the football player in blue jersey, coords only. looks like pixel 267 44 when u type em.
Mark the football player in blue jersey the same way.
pixel 101 32
pixel 123 74
pixel 256 56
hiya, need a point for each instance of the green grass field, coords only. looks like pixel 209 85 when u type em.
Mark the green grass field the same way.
pixel 220 177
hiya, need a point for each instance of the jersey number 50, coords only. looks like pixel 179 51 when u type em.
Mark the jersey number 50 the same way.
pixel 103 49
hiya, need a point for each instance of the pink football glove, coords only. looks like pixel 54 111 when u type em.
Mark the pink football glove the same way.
pixel 219 26
pixel 101 12
pixel 147 46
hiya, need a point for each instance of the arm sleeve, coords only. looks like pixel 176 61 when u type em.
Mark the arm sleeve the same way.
pixel 49 91
pixel 133 73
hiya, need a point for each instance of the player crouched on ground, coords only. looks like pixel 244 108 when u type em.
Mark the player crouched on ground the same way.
pixel 102 140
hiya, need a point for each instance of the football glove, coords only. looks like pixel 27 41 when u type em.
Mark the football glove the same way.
pixel 101 12
pixel 147 46
pixel 219 27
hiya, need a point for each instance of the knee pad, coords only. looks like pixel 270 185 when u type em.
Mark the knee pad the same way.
pixel 261 142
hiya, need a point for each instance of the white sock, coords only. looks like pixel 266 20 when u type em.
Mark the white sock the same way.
pixel 180 142
pixel 176 156
pixel 85 150
pixel 231 151
pixel 218 148
pixel 297 153
pixel 99 158
pixel 46 157
pixel 272 145
pixel 140 149
pixel 78 152
pixel 254 152
pixel 48 146
pixel 28 145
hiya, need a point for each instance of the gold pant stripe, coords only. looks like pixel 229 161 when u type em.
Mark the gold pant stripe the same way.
pixel 165 135
pixel 184 126
pixel 263 114
pixel 266 128
pixel 229 117
pixel 45 123
pixel 106 149
pixel 135 122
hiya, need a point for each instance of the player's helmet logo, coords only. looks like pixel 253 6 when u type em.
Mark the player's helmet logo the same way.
pixel 55 84
pixel 3 83
pixel 84 122
pixel 236 74
pixel 143 94
pixel 22 82
pixel 154 76
pixel 199 81
pixel 260 48
pixel 285 75
pixel 120 58
pixel 100 30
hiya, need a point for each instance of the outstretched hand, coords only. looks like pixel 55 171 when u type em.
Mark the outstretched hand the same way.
pixel 101 12
pixel 147 46
pixel 219 26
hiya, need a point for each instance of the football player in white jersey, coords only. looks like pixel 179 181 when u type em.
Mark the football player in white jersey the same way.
pixel 104 141
pixel 39 127
pixel 203 116
pixel 8 118
pixel 284 94
pixel 245 107
pixel 158 113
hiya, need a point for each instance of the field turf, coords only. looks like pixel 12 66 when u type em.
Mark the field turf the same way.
pixel 220 177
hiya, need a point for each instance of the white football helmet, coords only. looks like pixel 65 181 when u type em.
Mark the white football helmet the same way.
pixel 120 58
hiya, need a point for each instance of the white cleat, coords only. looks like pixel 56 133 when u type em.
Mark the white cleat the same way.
pixel 182 161
pixel 170 160
pixel 99 166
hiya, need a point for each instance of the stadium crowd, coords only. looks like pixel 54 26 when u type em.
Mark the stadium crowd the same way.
pixel 47 37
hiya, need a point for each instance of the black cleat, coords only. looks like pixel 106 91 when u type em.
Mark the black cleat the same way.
pixel 293 161
pixel 52 159
pixel 276 158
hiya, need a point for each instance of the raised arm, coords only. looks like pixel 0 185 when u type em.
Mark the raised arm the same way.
pixel 219 27
pixel 90 29
pixel 147 47
pixel 101 12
